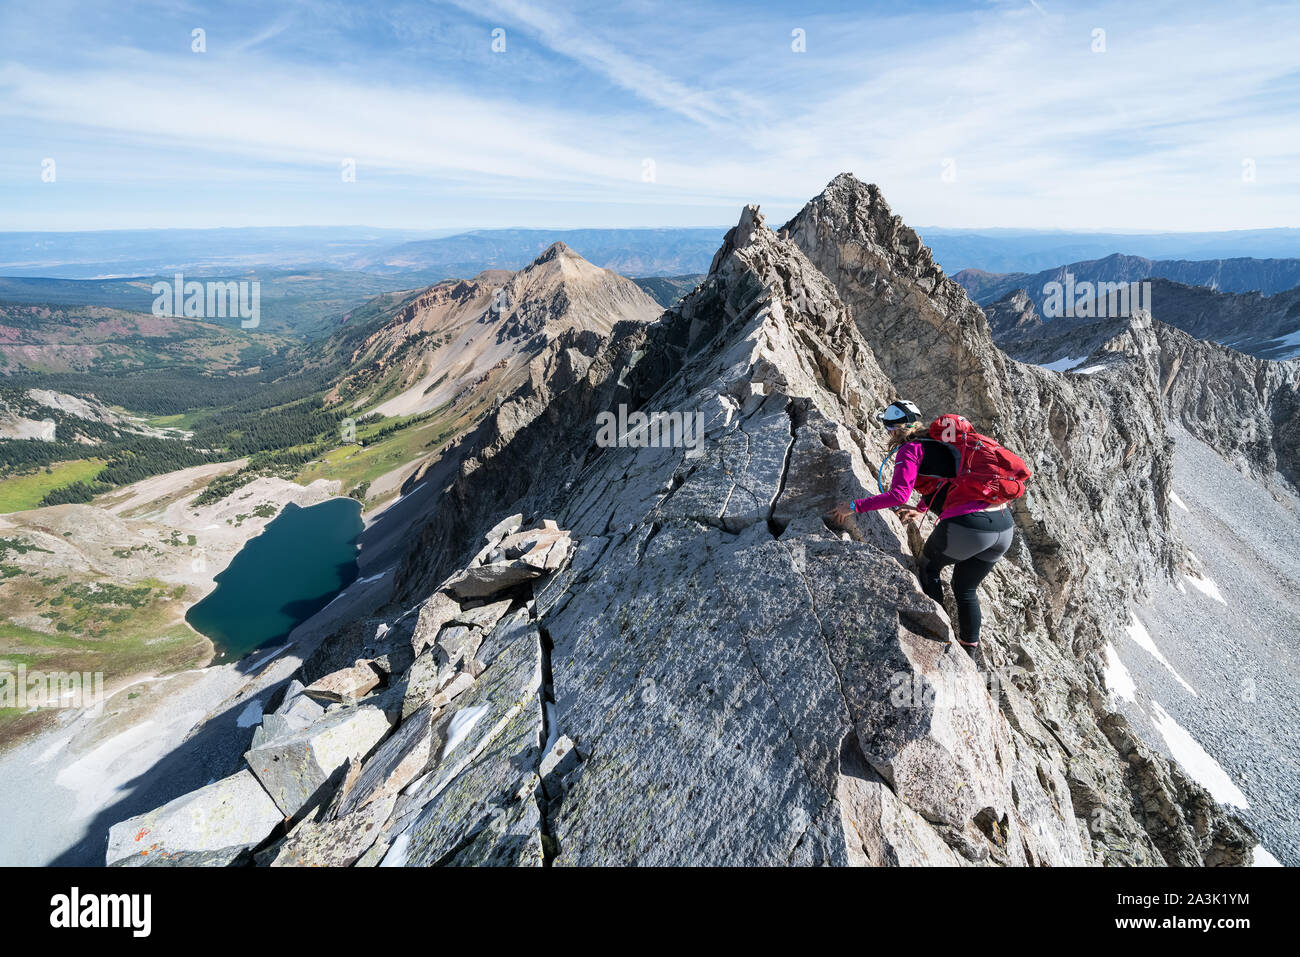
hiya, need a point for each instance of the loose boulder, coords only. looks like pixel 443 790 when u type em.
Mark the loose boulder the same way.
pixel 219 822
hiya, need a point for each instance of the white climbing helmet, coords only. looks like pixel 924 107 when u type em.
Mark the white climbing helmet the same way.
pixel 901 412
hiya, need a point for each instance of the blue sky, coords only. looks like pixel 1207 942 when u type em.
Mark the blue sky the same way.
pixel 1032 125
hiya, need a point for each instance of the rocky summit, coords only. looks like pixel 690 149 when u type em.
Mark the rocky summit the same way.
pixel 663 655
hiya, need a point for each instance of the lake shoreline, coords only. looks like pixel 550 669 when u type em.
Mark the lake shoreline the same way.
pixel 304 554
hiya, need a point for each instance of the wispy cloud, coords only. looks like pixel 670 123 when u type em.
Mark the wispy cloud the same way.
pixel 576 39
pixel 981 114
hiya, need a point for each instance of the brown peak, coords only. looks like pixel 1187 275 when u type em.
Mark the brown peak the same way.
pixel 556 250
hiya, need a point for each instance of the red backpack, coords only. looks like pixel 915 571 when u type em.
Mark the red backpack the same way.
pixel 986 471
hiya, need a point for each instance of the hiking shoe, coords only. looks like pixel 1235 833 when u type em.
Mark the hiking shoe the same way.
pixel 973 651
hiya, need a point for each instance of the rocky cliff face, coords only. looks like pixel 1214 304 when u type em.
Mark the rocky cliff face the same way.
pixel 670 655
pixel 1081 436
pixel 1244 407
pixel 1012 316
pixel 1264 326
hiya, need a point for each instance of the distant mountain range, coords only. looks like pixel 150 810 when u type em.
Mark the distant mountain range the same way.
pixel 296 302
pixel 1266 276
pixel 630 252
pixel 121 253
pixel 1263 326
pixel 427 256
pixel 432 255
pixel 1012 250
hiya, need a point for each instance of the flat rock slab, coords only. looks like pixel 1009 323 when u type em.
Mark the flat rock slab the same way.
pixel 534 544
pixel 294 769
pixel 484 616
pixel 218 821
pixel 347 684
pixel 483 581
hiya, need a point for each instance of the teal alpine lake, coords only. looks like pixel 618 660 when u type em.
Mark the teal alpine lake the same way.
pixel 301 561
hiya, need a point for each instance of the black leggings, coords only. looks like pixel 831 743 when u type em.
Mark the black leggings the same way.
pixel 972 544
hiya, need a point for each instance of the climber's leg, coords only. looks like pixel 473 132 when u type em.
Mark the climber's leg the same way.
pixel 966 578
pixel 933 561
pixel 974 543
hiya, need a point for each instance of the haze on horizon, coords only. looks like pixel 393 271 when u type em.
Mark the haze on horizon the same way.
pixel 968 115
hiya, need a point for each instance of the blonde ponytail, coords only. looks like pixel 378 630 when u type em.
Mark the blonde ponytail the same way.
pixel 905 433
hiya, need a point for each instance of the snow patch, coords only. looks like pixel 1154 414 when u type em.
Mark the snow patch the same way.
pixel 1263 858
pixel 1088 371
pixel 1207 587
pixel 1118 680
pixel 1290 339
pixel 1196 761
pixel 261 661
pixel 552 725
pixel 1060 365
pixel 461 725
pixel 396 856
pixel 1173 497
pixel 1137 631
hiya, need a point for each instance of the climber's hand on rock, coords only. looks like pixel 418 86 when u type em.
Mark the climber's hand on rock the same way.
pixel 841 513
pixel 908 515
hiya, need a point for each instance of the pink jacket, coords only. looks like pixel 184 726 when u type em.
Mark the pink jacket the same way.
pixel 907 463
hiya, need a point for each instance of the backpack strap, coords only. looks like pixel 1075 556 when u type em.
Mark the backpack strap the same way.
pixel 953 450
pixel 943 489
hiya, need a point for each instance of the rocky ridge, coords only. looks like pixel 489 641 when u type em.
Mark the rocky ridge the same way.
pixel 671 656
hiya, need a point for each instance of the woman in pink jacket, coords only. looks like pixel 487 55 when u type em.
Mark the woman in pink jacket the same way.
pixel 971 535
